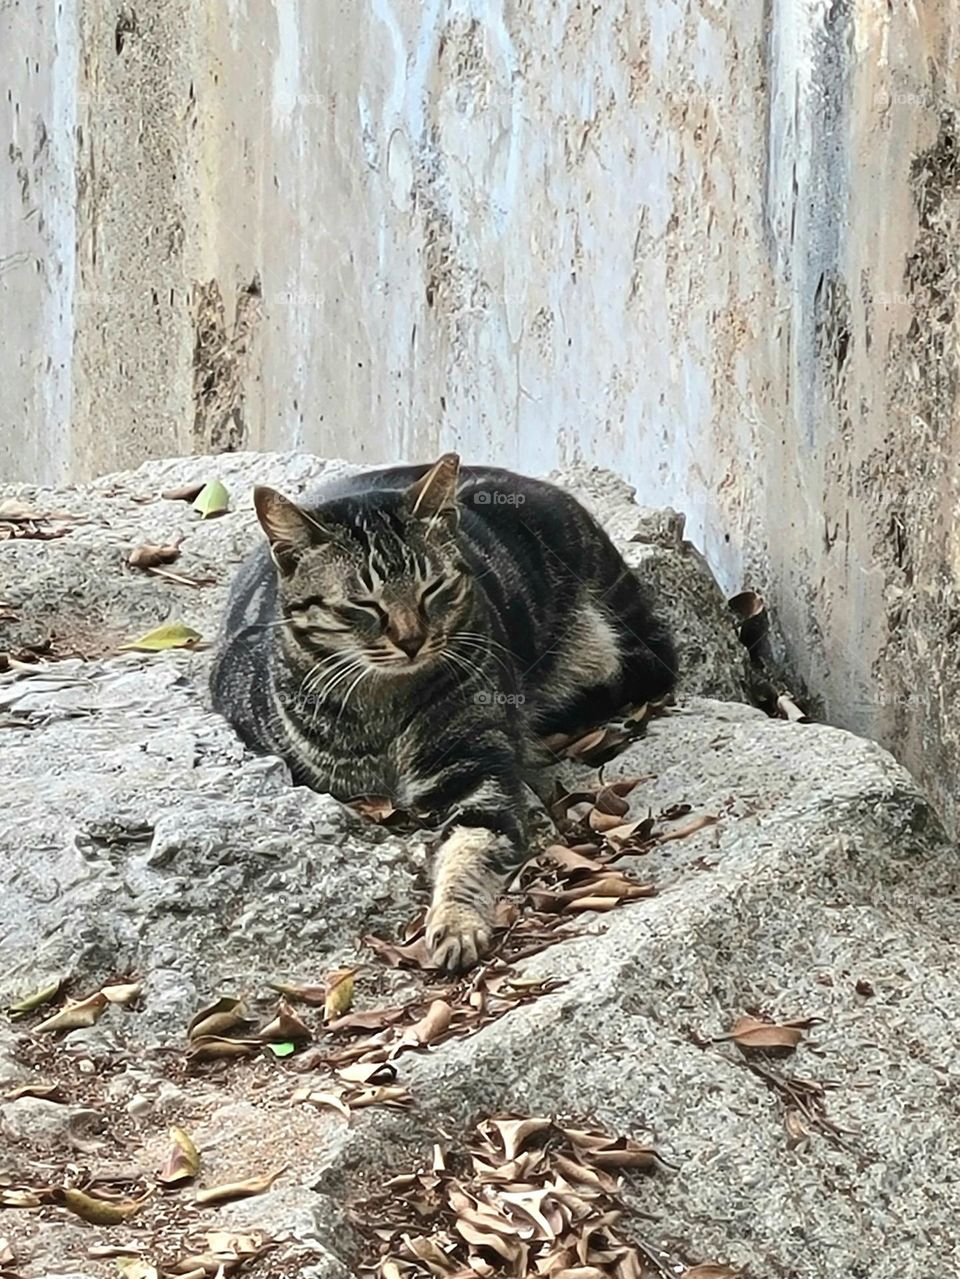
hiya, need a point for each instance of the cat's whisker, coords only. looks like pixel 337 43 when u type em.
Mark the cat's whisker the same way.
pixel 338 677
pixel 349 693
pixel 319 670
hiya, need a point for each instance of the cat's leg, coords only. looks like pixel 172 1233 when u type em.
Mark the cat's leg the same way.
pixel 485 841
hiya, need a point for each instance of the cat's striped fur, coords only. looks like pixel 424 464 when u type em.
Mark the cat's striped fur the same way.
pixel 411 632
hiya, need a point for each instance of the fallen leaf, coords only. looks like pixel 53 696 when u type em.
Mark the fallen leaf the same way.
pixel 137 1268
pixel 123 993
pixel 99 1212
pixel 183 1161
pixel 35 999
pixel 414 955
pixel 514 1133
pixel 751 1033
pixel 220 1018
pixel 369 1072
pixel 327 1099
pixel 237 1189
pixel 706 1270
pixel 184 493
pixel 707 819
pixel 434 1023
pixel 286 1026
pixel 375 808
pixel 611 800
pixel 640 829
pixel 384 1095
pixel 314 995
pixel 369 1019
pixel 215 1048
pixel 213 499
pixel 149 555
pixel 603 822
pixel 283 1049
pixel 49 1092
pixel 82 1013
pixel 339 996
pixel 172 635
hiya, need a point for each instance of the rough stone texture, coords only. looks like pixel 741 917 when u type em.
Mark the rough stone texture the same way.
pixel 714 246
pixel 154 843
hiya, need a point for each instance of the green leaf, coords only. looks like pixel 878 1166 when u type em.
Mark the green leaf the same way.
pixel 213 499
pixel 35 1000
pixel 282 1050
pixel 173 635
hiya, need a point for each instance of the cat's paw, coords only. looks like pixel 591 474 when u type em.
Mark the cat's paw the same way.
pixel 457 936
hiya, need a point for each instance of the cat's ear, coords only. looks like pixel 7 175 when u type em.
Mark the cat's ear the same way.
pixel 434 496
pixel 289 530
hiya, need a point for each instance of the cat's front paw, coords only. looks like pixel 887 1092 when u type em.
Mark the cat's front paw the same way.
pixel 457 935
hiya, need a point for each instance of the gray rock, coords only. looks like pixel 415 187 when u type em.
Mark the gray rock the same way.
pixel 37 1122
pixel 156 845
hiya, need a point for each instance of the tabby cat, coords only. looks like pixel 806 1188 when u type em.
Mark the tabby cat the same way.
pixel 412 632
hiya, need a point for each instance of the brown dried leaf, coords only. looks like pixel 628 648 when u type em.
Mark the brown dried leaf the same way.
pixel 137 1268
pixel 219 1019
pixel 149 556
pixel 707 1270
pixel 434 1024
pixel 339 996
pixel 640 829
pixel 698 823
pixel 123 992
pixel 100 1212
pixel 603 822
pixel 49 1092
pixel 184 493
pixel 307 994
pixel 610 801
pixel 327 1099
pixel 369 1019
pixel 237 1189
pixel 285 1027
pixel 183 1161
pixel 514 1133
pixel 376 808
pixel 569 858
pixel 385 1095
pixel 369 1072
pixel 85 1012
pixel 751 1033
pixel 213 1048
pixel 413 955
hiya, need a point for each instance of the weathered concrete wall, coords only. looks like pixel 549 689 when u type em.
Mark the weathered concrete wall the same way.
pixel 712 245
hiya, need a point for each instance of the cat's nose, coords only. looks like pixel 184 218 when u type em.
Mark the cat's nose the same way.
pixel 410 644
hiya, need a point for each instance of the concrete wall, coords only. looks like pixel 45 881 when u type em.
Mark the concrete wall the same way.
pixel 711 245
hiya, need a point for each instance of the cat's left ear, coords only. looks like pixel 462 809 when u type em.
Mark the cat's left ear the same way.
pixel 434 496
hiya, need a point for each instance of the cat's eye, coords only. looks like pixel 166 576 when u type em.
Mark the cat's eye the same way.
pixel 439 591
pixel 360 611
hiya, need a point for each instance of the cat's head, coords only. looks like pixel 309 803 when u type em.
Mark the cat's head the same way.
pixel 377 577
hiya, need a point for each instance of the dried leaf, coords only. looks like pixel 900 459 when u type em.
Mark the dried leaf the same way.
pixel 691 829
pixel 640 829
pixel 99 1212
pixel 123 993
pixel 339 996
pixel 375 808
pixel 149 556
pixel 313 995
pixel 184 493
pixel 434 1023
pixel 369 1019
pixel 514 1133
pixel 137 1268
pixel 286 1026
pixel 602 822
pixel 751 1033
pixel 85 1012
pixel 706 1270
pixel 49 1092
pixel 328 1099
pixel 384 1095
pixel 183 1161
pixel 36 999
pixel 214 1048
pixel 213 499
pixel 414 955
pixel 237 1189
pixel 219 1019
pixel 171 635
pixel 610 801
pixel 369 1072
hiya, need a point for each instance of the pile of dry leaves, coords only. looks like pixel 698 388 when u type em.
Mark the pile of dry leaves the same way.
pixel 529 1197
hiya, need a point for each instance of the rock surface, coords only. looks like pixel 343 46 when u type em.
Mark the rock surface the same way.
pixel 139 838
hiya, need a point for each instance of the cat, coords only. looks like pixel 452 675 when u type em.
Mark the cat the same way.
pixel 412 632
